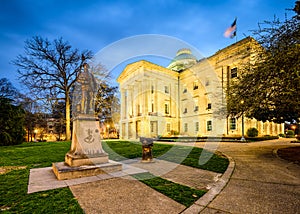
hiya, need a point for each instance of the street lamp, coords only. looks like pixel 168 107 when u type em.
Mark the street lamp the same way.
pixel 293 128
pixel 243 128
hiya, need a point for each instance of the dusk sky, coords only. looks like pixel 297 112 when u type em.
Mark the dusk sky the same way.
pixel 94 25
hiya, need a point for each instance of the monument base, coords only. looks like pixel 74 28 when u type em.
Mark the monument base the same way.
pixel 65 172
pixel 80 160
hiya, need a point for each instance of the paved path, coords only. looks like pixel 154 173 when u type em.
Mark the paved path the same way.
pixel 127 195
pixel 185 175
pixel 123 196
pixel 261 182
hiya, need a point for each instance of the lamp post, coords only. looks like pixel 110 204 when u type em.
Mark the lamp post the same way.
pixel 243 128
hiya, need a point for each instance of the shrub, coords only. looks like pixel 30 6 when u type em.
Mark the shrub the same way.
pixel 290 133
pixel 281 135
pixel 173 132
pixel 252 132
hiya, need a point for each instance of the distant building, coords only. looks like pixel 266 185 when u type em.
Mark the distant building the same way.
pixel 187 97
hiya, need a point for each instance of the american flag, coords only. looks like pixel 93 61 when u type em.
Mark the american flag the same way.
pixel 231 31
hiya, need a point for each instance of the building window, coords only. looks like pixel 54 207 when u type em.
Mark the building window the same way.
pixel 167 111
pixel 196 108
pixel 185 110
pixel 233 73
pixel 167 91
pixel 197 126
pixel 152 126
pixel 152 107
pixel 232 123
pixel 184 89
pixel 168 127
pixel 152 89
pixel 208 106
pixel 209 125
pixel 185 127
pixel 139 110
pixel 195 85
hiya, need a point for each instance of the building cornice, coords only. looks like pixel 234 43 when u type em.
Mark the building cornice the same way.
pixel 133 67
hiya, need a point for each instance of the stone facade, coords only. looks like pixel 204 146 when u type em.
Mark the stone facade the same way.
pixel 187 98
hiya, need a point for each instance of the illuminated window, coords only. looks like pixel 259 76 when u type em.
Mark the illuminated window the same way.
pixel 168 127
pixel 185 127
pixel 167 111
pixel 209 125
pixel 197 126
pixel 167 91
pixel 152 126
pixel 195 85
pixel 232 123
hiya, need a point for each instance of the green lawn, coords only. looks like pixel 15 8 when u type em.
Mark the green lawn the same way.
pixel 182 194
pixel 13 188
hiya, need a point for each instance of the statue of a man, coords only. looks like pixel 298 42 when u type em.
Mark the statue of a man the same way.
pixel 88 88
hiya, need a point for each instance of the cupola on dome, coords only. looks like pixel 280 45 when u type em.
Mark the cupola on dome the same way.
pixel 183 59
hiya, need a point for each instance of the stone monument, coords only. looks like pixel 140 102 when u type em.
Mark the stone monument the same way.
pixel 86 156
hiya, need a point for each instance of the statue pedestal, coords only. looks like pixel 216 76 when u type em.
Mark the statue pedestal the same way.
pixel 86 156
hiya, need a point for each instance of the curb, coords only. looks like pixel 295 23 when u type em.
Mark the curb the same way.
pixel 216 189
pixel 275 154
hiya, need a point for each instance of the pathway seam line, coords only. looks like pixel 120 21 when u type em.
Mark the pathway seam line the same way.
pixel 216 189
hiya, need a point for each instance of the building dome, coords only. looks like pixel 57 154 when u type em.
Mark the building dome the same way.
pixel 183 59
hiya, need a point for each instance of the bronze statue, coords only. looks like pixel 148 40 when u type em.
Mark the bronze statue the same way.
pixel 88 88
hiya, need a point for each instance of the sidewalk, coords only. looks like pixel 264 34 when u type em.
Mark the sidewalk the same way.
pixel 120 193
pixel 261 182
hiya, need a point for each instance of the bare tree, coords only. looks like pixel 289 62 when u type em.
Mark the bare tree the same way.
pixel 8 91
pixel 50 69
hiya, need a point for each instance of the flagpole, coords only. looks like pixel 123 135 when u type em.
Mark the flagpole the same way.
pixel 236 31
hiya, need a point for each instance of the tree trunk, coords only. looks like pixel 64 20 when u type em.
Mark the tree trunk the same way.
pixel 68 117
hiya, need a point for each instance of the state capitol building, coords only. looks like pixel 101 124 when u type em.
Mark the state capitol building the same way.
pixel 187 98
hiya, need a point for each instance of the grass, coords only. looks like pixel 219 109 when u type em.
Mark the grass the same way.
pixel 13 188
pixel 182 194
pixel 120 150
pixel 33 155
